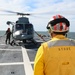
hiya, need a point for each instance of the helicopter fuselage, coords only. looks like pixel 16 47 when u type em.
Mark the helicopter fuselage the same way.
pixel 26 33
pixel 23 30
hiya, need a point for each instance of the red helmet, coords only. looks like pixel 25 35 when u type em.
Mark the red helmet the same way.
pixel 58 24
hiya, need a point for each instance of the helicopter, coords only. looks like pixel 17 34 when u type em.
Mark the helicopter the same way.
pixel 22 29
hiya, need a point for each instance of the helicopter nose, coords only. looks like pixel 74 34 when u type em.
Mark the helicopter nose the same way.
pixel 17 33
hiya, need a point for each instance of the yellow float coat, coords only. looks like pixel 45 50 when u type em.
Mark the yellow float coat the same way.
pixel 55 57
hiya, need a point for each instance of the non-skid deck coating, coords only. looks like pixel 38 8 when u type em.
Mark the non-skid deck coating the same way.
pixel 16 60
pixel 11 60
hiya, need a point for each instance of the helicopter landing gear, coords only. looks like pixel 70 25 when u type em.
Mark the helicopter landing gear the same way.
pixel 31 44
pixel 29 41
pixel 33 41
pixel 24 41
pixel 14 43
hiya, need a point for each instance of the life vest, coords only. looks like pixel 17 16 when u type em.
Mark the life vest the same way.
pixel 59 57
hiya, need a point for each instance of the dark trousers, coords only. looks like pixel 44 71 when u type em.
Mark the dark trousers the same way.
pixel 7 40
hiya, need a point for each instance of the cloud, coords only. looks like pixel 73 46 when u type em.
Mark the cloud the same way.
pixel 46 8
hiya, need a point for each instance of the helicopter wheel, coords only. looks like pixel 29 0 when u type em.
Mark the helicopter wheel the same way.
pixel 24 41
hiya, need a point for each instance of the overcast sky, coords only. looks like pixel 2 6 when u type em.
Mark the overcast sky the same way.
pixel 42 11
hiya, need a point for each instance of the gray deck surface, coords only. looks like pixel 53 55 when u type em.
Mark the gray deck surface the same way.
pixel 13 60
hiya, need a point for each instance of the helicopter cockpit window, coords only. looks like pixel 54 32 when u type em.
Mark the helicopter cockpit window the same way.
pixel 29 28
pixel 19 26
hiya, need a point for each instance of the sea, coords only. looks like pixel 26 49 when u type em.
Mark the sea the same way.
pixel 45 34
pixel 70 35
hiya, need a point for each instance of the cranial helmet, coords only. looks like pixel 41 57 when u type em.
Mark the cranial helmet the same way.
pixel 58 24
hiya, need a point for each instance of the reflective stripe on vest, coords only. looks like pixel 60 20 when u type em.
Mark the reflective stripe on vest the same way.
pixel 61 43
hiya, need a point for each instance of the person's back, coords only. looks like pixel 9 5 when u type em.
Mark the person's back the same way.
pixel 56 57
pixel 8 33
pixel 59 57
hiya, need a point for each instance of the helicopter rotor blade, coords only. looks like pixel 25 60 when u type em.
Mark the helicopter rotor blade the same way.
pixel 23 14
pixel 8 11
pixel 18 13
pixel 6 14
pixel 33 14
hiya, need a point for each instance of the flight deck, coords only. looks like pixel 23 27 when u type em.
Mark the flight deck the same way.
pixel 16 60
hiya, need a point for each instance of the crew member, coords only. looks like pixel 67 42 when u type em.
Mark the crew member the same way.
pixel 56 56
pixel 8 36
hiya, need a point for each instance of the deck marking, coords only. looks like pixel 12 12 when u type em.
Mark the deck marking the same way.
pixel 11 49
pixel 31 49
pixel 2 44
pixel 14 63
pixel 32 62
pixel 27 65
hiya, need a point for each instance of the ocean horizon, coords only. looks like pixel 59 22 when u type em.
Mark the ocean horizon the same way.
pixel 70 35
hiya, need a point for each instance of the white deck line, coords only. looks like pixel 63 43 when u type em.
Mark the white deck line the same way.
pixel 2 44
pixel 11 49
pixel 14 63
pixel 31 49
pixel 32 62
pixel 27 65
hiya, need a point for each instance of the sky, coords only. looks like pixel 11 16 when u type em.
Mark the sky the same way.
pixel 41 10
